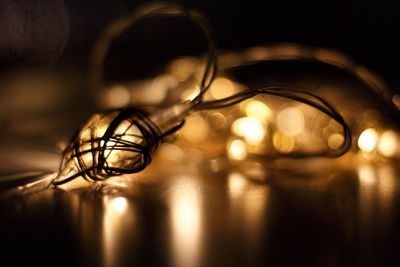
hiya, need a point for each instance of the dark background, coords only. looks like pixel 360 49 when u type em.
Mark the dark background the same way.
pixel 365 30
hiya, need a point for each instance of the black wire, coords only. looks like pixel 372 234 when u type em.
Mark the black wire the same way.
pixel 295 94
pixel 166 10
pixel 99 148
pixel 98 167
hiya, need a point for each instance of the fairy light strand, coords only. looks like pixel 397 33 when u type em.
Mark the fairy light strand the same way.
pixel 97 156
pixel 296 94
pixel 89 156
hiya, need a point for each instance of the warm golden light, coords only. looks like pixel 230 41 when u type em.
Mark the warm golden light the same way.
pixel 331 57
pixel 388 144
pixel 290 121
pixel 118 217
pixel 367 175
pixel 377 191
pixel 119 204
pixel 190 94
pixel 335 140
pixel 283 143
pixel 387 187
pixel 195 128
pixel 258 110
pixel 117 96
pixel 257 53
pixel 183 68
pixel 221 88
pixel 248 200
pixel 217 120
pixel 186 211
pixel 171 152
pixel 236 184
pixel 100 131
pixel 368 140
pixel 249 128
pixel 237 150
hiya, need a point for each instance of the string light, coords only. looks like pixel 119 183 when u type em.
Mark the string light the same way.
pixel 132 134
pixel 143 114
pixel 121 141
pixel 291 126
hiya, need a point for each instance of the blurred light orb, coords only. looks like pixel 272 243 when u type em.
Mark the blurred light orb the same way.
pixel 368 140
pixel 217 120
pixel 195 129
pixel 119 204
pixel 237 150
pixel 388 143
pixel 158 89
pixel 117 97
pixel 290 121
pixel 258 110
pixel 335 140
pixel 221 88
pixel 249 128
pixel 181 69
pixel 283 143
pixel 171 152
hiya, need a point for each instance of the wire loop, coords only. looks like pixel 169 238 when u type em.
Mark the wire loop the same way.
pixel 121 141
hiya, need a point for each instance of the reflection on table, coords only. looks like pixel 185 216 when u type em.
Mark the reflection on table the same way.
pixel 320 212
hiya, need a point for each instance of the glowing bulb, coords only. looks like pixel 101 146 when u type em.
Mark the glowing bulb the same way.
pixel 258 110
pixel 221 88
pixel 217 120
pixel 183 68
pixel 290 121
pixel 335 140
pixel 117 96
pixel 119 204
pixel 283 143
pixel 237 150
pixel 195 129
pixel 171 152
pixel 249 128
pixel 388 144
pixel 368 140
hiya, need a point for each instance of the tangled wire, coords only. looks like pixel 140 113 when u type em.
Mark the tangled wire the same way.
pixel 121 141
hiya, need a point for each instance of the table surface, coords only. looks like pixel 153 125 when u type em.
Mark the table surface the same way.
pixel 213 213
